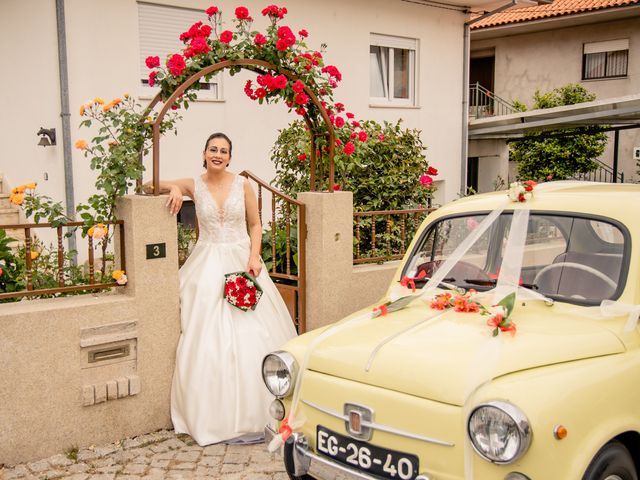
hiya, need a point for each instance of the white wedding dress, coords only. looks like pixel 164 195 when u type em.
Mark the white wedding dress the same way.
pixel 217 392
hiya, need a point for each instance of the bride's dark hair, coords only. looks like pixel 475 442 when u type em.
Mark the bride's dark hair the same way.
pixel 217 135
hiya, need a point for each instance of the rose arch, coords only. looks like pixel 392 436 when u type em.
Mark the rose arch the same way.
pixel 301 79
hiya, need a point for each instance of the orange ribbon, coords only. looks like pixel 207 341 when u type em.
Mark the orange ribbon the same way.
pixel 285 430
pixel 382 309
pixel 410 281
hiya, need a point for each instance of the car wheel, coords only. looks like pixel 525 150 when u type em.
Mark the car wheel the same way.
pixel 612 462
pixel 288 462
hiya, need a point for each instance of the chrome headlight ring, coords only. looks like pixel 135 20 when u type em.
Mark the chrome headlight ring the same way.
pixel 502 421
pixel 279 373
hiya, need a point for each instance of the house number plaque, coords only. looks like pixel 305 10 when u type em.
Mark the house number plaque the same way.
pixel 156 250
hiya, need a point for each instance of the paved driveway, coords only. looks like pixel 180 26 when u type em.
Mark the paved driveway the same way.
pixel 160 455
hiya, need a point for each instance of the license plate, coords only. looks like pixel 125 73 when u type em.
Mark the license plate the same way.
pixel 368 458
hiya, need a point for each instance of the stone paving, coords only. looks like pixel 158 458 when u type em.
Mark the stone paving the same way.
pixel 154 456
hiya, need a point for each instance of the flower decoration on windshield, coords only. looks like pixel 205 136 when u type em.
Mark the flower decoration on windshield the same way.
pixel 500 316
pixel 521 191
pixel 460 303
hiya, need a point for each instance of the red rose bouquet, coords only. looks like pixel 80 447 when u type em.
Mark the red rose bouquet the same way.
pixel 242 290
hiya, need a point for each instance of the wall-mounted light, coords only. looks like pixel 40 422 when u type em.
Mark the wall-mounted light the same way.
pixel 47 137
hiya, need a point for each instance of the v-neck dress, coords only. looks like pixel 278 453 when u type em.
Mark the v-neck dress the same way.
pixel 217 392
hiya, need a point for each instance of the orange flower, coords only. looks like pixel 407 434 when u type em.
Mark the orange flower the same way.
pixel 108 107
pixel 98 231
pixel 116 101
pixel 117 274
pixel 126 95
pixel 98 100
pixel 16 198
pixel 81 144
pixel 34 254
pixel 441 302
pixel 31 186
pixel 81 110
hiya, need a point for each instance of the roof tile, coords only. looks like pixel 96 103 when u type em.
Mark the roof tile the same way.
pixel 555 9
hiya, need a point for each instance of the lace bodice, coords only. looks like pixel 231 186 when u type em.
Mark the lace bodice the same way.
pixel 226 224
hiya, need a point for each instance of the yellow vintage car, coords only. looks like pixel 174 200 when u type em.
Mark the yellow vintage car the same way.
pixel 445 389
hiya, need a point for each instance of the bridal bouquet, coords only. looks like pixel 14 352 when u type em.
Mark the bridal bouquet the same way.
pixel 242 290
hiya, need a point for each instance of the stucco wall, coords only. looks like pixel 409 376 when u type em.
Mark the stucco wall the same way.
pixel 549 59
pixel 102 38
pixel 53 398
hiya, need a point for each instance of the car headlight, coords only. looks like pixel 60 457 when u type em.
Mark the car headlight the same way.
pixel 499 432
pixel 279 371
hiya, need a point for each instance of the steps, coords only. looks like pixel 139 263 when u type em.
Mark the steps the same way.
pixel 9 214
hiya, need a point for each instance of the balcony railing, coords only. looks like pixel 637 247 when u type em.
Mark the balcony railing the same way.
pixel 382 236
pixel 38 282
pixel 604 173
pixel 484 103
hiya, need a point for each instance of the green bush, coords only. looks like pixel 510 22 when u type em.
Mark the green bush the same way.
pixel 568 152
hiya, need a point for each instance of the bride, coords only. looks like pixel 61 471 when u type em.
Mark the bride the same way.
pixel 217 392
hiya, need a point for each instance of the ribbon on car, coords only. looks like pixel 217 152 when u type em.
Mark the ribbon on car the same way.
pixel 610 308
pixel 407 281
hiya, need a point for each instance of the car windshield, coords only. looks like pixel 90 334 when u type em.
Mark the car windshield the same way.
pixel 568 258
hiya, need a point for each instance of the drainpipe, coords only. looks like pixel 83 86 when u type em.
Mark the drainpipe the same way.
pixel 465 84
pixel 66 117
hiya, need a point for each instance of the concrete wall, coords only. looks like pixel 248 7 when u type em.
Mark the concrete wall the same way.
pixel 335 287
pixel 548 59
pixel 52 398
pixel 102 38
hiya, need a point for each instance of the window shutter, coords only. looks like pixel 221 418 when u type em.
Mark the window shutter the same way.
pixel 160 28
pixel 608 46
pixel 380 40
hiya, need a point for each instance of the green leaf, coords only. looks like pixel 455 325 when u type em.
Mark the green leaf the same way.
pixel 508 302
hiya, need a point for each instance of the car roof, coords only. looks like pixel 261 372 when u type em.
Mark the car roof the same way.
pixel 614 200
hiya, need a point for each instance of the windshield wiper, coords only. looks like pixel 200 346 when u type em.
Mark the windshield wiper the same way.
pixel 445 283
pixel 491 282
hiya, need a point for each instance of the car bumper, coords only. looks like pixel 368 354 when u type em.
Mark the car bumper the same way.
pixel 299 461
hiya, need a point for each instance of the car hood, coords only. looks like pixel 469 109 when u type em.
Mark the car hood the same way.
pixel 447 357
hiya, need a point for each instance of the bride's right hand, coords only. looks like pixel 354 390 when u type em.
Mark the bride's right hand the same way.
pixel 175 199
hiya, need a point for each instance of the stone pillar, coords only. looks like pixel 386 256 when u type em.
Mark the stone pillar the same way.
pixel 329 255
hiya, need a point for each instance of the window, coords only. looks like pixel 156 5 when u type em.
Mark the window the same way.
pixel 159 33
pixel 392 70
pixel 605 59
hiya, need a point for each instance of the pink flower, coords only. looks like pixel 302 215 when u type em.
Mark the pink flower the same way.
pixel 298 86
pixel 381 137
pixel 212 10
pixel 226 37
pixel 301 98
pixel 152 78
pixel 152 62
pixel 350 115
pixel 362 136
pixel 122 280
pixel 176 64
pixel 242 13
pixel 303 33
pixel 302 157
pixel 426 180
pixel 260 39
pixel 339 122
pixel 349 148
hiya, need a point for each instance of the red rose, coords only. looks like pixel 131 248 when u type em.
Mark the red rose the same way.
pixel 301 99
pixel 286 38
pixel 176 64
pixel 336 187
pixel 432 171
pixel 152 62
pixel 226 37
pixel 339 107
pixel 339 122
pixel 152 78
pixel 381 137
pixel 303 33
pixel 261 92
pixel 362 136
pixel 349 148
pixel 198 45
pixel 332 83
pixel 302 157
pixel 355 124
pixel 300 111
pixel 353 135
pixel 349 115
pixel 212 10
pixel 260 39
pixel 205 31
pixel 242 13
pixel 298 86
pixel 279 82
pixel 338 142
pixel 281 45
pixel 332 71
pixel 249 91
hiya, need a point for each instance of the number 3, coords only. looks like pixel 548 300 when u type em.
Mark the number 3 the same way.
pixel 156 250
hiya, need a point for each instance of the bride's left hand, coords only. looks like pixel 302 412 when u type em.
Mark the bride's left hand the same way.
pixel 254 265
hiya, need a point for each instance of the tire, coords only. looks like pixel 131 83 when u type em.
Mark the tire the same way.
pixel 288 461
pixel 612 462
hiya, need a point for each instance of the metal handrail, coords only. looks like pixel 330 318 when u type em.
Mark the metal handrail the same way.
pixel 288 218
pixel 91 286
pixel 604 173
pixel 401 242
pixel 485 103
